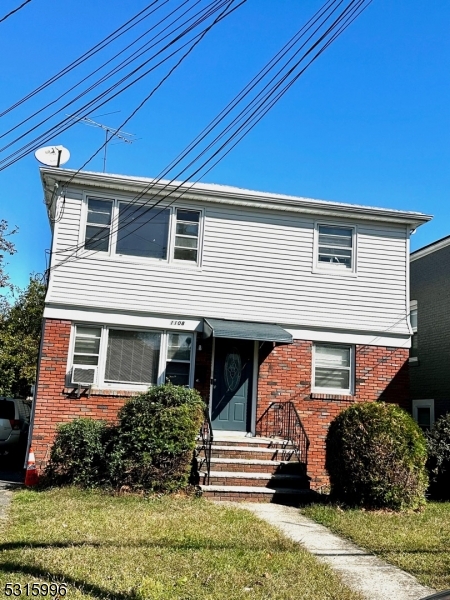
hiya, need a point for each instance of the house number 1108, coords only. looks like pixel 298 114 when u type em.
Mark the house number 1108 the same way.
pixel 177 322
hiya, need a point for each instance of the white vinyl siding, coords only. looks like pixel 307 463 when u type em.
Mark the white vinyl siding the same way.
pixel 256 265
pixel 333 368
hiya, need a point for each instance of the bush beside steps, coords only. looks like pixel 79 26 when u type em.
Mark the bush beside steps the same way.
pixel 375 457
pixel 150 449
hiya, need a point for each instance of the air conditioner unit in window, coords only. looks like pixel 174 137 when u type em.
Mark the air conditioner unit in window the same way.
pixel 84 375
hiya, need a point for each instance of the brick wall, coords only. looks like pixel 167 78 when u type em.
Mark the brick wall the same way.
pixel 58 404
pixel 285 374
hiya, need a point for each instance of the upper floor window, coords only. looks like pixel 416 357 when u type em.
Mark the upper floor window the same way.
pixel 98 225
pixel 335 247
pixel 333 368
pixel 128 229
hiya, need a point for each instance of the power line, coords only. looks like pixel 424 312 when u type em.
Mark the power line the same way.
pixel 100 81
pixel 14 11
pixel 91 106
pixel 351 12
pixel 73 65
pixel 140 195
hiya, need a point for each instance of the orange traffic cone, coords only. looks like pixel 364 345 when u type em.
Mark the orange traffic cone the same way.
pixel 31 475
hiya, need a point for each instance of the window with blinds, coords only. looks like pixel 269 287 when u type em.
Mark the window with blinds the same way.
pixel 333 368
pixel 132 356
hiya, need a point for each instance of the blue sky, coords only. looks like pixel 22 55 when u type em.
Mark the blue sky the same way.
pixel 368 123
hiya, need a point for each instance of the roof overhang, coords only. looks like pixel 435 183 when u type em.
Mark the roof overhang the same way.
pixel 221 194
pixel 242 330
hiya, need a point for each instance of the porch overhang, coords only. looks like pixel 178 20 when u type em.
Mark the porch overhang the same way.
pixel 243 330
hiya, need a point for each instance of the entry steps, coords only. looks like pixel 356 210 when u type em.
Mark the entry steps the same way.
pixel 253 469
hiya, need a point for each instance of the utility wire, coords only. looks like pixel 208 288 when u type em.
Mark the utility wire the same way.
pixel 91 106
pixel 73 65
pixel 14 11
pixel 100 81
pixel 351 12
pixel 202 13
pixel 153 183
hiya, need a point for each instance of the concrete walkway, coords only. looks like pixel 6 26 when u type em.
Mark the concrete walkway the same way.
pixel 6 491
pixel 360 570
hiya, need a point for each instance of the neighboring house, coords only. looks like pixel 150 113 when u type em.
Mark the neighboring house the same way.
pixel 250 297
pixel 430 318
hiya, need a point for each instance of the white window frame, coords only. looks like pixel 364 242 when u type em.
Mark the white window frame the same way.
pixel 336 391
pixel 112 254
pixel 330 268
pixel 100 382
pixel 429 403
pixel 413 307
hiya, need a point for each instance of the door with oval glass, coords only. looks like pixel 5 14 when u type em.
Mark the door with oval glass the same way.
pixel 232 384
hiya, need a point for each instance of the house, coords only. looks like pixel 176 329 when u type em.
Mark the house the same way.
pixel 260 301
pixel 430 317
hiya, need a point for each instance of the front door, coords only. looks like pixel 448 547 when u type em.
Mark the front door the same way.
pixel 232 383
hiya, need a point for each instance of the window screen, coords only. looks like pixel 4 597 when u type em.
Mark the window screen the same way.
pixel 335 246
pixel 87 345
pixel 186 238
pixel 132 356
pixel 143 231
pixel 98 225
pixel 332 367
pixel 178 358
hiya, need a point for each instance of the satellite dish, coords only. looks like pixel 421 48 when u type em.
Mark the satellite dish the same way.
pixel 52 156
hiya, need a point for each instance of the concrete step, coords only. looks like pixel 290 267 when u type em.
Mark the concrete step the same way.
pixel 246 479
pixel 237 493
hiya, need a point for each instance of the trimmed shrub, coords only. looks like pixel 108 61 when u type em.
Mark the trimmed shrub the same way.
pixel 152 448
pixel 375 457
pixel 438 441
pixel 77 454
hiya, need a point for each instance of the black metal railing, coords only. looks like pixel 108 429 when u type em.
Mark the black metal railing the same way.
pixel 281 420
pixel 204 450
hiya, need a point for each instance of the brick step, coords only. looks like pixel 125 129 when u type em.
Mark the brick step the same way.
pixel 248 452
pixel 256 466
pixel 238 493
pixel 269 480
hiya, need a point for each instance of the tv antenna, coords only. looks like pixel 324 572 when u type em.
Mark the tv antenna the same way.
pixel 110 133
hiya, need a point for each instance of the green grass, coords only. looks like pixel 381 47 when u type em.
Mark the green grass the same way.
pixel 132 548
pixel 418 542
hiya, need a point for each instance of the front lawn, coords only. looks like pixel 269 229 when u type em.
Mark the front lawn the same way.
pixel 416 542
pixel 131 548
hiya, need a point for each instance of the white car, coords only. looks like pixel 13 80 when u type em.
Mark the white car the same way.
pixel 14 423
